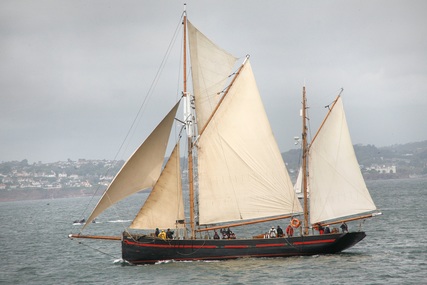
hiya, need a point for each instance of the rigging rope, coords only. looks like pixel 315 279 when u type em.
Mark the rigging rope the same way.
pixel 141 109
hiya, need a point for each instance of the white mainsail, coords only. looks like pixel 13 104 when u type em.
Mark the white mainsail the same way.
pixel 336 183
pixel 241 171
pixel 141 170
pixel 210 69
pixel 165 205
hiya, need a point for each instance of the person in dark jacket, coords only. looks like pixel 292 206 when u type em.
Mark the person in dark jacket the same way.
pixel 327 230
pixel 216 235
pixel 169 234
pixel 279 231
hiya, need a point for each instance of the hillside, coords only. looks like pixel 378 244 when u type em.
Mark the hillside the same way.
pixel 20 180
pixel 408 160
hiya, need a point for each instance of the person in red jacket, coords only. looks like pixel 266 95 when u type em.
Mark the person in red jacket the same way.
pixel 289 231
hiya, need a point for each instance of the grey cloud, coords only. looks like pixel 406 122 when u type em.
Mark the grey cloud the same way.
pixel 74 73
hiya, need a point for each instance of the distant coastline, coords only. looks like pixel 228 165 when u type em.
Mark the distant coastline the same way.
pixel 20 180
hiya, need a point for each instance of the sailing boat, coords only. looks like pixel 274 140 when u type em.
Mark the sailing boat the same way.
pixel 235 172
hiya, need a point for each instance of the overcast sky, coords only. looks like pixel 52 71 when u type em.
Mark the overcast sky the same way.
pixel 74 73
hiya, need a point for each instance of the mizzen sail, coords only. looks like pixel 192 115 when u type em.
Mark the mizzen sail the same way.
pixel 337 188
pixel 241 171
pixel 141 170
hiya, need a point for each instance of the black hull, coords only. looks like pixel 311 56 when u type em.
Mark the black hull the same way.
pixel 148 250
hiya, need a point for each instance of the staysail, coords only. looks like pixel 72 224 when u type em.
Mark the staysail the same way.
pixel 164 206
pixel 298 183
pixel 241 171
pixel 336 183
pixel 141 170
pixel 210 69
pixel 298 187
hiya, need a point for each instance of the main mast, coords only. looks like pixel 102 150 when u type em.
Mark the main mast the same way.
pixel 188 120
pixel 304 160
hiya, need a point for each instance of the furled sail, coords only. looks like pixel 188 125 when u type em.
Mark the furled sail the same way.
pixel 241 171
pixel 164 206
pixel 210 69
pixel 337 186
pixel 141 170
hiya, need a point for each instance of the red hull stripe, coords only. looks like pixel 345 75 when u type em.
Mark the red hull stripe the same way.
pixel 314 241
pixel 226 246
pixel 270 245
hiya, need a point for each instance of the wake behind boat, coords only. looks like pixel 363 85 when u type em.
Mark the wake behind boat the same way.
pixel 236 175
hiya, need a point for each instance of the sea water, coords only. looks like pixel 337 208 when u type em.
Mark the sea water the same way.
pixel 35 249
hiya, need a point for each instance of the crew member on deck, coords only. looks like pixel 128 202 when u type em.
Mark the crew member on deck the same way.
pixel 290 231
pixel 162 234
pixel 320 229
pixel 279 231
pixel 169 234
pixel 273 232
